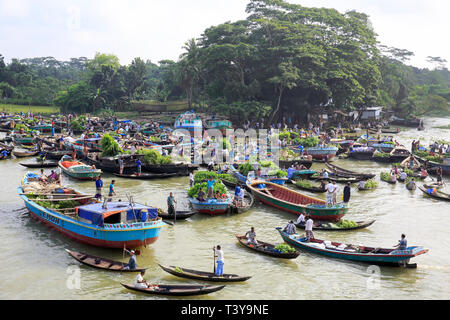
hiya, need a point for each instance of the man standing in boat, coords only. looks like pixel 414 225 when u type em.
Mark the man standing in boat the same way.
pixel 220 260
pixel 347 192
pixel 98 187
pixel 112 191
pixel 309 227
pixel 170 204
pixel 139 166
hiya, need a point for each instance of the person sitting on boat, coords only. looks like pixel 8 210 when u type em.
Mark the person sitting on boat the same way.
pixel 395 170
pixel 201 196
pixel 402 243
pixel 325 174
pixel 347 193
pixel 132 263
pixel 301 219
pixel 53 176
pixel 439 176
pixel 423 173
pixel 308 228
pixel 121 165
pixel 42 176
pixel 141 283
pixel 431 191
pixel 251 236
pixel 290 228
pixel 411 184
pixel 220 260
pixel 4 153
pixel 393 177
pixel 290 171
pixel 191 179
pixel 403 176
pixel 217 195
pixel 361 184
pixel 411 162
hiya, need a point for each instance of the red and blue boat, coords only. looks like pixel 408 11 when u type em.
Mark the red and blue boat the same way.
pixel 378 256
pixel 212 207
pixel 119 225
pixel 322 153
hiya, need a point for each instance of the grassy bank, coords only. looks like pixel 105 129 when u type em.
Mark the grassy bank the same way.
pixel 13 108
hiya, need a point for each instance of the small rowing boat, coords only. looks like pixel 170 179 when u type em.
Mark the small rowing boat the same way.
pixel 379 256
pixel 326 226
pixel 181 215
pixel 439 195
pixel 147 176
pixel 201 275
pixel 176 289
pixel 267 248
pixel 77 169
pixel 344 172
pixel 23 154
pixel 100 263
pixel 48 164
pixel 247 204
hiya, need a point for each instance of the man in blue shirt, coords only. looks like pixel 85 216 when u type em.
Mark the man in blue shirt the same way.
pixel 98 187
pixel 111 190
pixel 132 263
pixel 237 191
pixel 402 244
pixel 139 167
pixel 170 204
pixel 210 187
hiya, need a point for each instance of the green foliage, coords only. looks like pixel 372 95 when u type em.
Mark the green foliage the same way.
pixel 110 146
pixel 304 183
pixel 385 176
pixel 21 126
pixel 152 156
pixel 371 184
pixel 309 142
pixel 76 124
pixel 346 224
pixel 285 248
pixel 218 186
pixel 382 154
pixel 201 176
pixel 245 168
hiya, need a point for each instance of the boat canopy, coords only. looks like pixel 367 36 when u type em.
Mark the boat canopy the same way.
pixel 96 214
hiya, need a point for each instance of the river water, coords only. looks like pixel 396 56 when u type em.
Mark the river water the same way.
pixel 35 265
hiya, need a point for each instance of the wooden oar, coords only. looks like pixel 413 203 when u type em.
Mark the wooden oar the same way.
pixel 214 256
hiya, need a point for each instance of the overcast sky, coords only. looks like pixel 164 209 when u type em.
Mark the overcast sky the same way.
pixel 157 29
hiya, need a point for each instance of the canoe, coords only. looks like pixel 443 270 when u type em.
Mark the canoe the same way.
pixel 77 169
pixel 47 164
pixel 57 155
pixel 294 202
pixel 229 184
pixel 99 262
pixel 378 256
pixel 211 207
pixel 23 154
pixel 177 289
pixel 322 153
pixel 181 215
pixel 147 176
pixel 365 189
pixel 342 171
pixel 338 179
pixel 324 226
pixel 439 196
pixel 266 248
pixel 249 200
pixel 201 275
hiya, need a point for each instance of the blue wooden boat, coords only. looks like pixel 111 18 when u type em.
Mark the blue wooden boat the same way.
pixel 243 179
pixel 189 121
pixel 212 207
pixel 380 256
pixel 120 225
pixel 321 153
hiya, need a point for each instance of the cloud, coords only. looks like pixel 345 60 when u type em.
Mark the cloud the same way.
pixel 15 8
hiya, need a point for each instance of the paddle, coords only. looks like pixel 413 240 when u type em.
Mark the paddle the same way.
pixel 214 256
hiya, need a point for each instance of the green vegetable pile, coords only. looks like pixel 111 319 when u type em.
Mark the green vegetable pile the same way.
pixel 110 146
pixel 371 184
pixel 304 183
pixel 309 142
pixel 218 186
pixel 385 176
pixel 200 176
pixel 347 224
pixel 285 248
pixel 179 270
pixel 152 156
pixel 382 154
pixel 59 204
pixel 409 172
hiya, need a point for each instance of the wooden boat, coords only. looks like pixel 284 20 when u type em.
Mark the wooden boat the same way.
pixel 229 184
pixel 211 207
pixel 23 154
pixel 285 164
pixel 365 189
pixel 439 196
pixel 177 289
pixel 322 153
pixel 47 164
pixel 147 176
pixel 266 248
pixel 181 215
pixel 378 256
pixel 111 164
pixel 405 164
pixel 77 169
pixel 324 226
pixel 57 155
pixel 120 225
pixel 100 263
pixel 337 179
pixel 179 168
pixel 249 200
pixel 201 275
pixel 338 170
pixel 313 189
pixel 292 201
pixel 361 153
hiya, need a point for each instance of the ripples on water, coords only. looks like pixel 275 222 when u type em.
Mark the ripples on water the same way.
pixel 35 265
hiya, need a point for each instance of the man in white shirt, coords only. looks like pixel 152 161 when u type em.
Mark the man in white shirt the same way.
pixel 301 219
pixel 220 260
pixel 403 176
pixel 330 190
pixel 140 282
pixel 308 228
pixel 335 192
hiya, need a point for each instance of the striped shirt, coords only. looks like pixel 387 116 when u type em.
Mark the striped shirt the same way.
pixel 290 228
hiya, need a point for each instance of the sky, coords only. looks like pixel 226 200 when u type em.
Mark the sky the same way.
pixel 158 29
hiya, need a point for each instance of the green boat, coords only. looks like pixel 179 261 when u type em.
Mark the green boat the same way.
pixel 77 169
pixel 292 201
pixel 221 125
pixel 42 127
pixel 23 139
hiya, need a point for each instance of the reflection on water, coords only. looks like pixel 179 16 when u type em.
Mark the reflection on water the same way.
pixel 35 265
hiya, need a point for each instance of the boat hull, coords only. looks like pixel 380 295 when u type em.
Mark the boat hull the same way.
pixel 210 208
